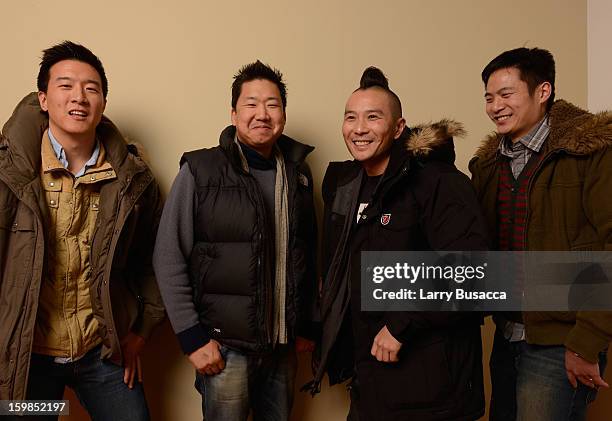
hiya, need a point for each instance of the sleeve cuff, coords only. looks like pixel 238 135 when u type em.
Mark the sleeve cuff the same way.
pixel 586 344
pixel 193 338
pixel 400 329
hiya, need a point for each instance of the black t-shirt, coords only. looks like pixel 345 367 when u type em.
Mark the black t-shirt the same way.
pixel 358 242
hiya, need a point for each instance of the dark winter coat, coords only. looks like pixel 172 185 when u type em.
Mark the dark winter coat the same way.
pixel 432 206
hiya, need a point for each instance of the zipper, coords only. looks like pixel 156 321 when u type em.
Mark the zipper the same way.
pixel 265 336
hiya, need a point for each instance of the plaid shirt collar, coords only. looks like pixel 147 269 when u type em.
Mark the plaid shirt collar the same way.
pixel 532 140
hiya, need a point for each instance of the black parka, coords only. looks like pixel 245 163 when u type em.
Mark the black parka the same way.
pixel 432 206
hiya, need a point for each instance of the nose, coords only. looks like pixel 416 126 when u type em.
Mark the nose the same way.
pixel 497 104
pixel 261 112
pixel 78 94
pixel 361 126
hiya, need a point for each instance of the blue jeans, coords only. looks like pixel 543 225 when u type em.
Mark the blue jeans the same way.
pixel 543 391
pixel 98 384
pixel 261 382
pixel 503 364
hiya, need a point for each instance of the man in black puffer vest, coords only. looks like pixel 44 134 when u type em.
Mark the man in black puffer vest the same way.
pixel 235 256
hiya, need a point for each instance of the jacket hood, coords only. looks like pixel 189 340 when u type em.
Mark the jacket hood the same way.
pixel 22 135
pixel 292 149
pixel 435 140
pixel 572 129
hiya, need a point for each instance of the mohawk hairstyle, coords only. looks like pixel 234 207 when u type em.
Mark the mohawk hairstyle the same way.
pixel 373 77
pixel 255 71
pixel 68 50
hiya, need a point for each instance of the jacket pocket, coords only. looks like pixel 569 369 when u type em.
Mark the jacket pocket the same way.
pixel 19 245
pixel 198 267
pixel 421 379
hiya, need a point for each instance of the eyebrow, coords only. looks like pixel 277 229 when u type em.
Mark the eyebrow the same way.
pixel 270 98
pixel 374 110
pixel 69 79
pixel 505 88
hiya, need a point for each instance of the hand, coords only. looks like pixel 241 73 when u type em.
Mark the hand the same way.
pixel 131 346
pixel 304 345
pixel 577 368
pixel 385 347
pixel 208 360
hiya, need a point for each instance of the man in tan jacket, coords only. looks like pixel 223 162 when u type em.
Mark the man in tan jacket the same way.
pixel 78 216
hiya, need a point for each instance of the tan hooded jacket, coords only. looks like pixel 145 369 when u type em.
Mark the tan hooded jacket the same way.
pixel 123 289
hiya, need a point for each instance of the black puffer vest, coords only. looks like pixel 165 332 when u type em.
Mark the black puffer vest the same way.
pixel 231 265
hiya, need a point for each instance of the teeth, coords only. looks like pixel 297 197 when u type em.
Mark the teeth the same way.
pixel 79 113
pixel 361 142
pixel 503 117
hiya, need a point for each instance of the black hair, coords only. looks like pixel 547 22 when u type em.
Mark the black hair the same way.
pixel 373 77
pixel 255 71
pixel 535 66
pixel 68 50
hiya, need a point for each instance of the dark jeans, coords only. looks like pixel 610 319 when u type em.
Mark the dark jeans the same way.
pixel 529 382
pixel 98 384
pixel 261 382
pixel 543 390
pixel 504 370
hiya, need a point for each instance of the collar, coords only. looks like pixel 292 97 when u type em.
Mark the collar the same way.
pixel 532 140
pixel 60 153
pixel 255 159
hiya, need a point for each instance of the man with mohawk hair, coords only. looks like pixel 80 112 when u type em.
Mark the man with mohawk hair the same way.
pixel 401 192
pixel 235 256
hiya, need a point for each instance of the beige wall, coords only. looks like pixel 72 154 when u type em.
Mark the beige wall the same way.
pixel 599 34
pixel 170 66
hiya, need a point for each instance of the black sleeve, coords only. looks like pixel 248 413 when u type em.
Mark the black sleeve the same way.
pixel 309 319
pixel 452 220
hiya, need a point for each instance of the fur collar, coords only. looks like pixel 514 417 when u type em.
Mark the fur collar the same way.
pixel 572 129
pixel 426 138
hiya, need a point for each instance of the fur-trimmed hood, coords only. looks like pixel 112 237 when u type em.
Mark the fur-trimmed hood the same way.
pixel 434 141
pixel 426 138
pixel 572 129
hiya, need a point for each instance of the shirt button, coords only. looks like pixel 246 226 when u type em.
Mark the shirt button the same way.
pixel 93 177
pixel 51 184
pixel 52 202
pixel 95 206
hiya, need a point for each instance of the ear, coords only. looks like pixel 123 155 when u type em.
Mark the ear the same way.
pixel 104 106
pixel 544 91
pixel 42 100
pixel 233 116
pixel 399 127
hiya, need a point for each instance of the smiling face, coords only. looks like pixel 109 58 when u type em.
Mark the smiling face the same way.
pixel 510 105
pixel 370 127
pixel 259 115
pixel 74 100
